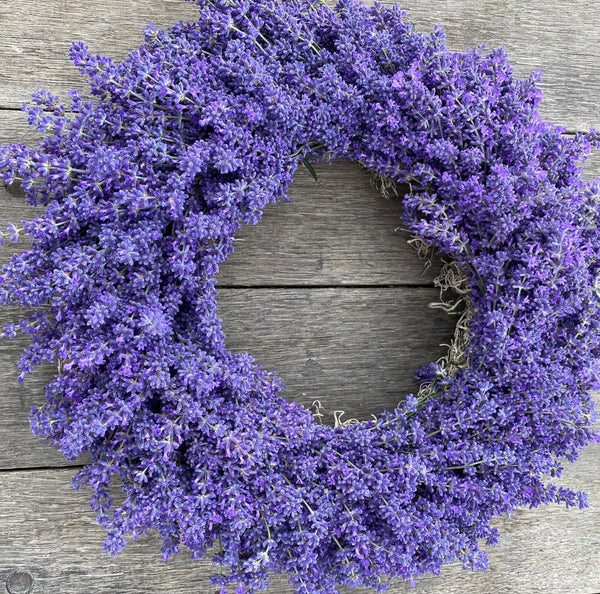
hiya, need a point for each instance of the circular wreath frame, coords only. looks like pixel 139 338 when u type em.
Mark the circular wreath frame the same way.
pixel 144 189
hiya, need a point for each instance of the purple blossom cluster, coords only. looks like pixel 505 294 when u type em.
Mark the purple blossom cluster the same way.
pixel 144 188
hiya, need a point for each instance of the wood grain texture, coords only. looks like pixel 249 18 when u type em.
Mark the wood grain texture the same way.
pixel 48 531
pixel 336 231
pixel 18 447
pixel 561 37
pixel 354 350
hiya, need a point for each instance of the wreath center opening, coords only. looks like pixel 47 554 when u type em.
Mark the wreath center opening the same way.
pixel 328 292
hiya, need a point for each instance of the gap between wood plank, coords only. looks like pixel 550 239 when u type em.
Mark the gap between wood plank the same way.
pixel 330 286
pixel 73 467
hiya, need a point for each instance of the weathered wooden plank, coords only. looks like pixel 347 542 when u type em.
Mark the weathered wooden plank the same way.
pixel 336 231
pixel 48 532
pixel 14 128
pixel 35 43
pixel 354 349
pixel 18 447
pixel 562 38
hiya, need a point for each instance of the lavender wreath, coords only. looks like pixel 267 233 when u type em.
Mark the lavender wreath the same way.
pixel 144 189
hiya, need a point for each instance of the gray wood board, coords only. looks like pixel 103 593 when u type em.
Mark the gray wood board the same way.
pixel 353 349
pixel 336 231
pixel 562 38
pixel 48 531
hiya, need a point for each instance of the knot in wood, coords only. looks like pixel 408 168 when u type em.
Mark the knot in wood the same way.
pixel 19 582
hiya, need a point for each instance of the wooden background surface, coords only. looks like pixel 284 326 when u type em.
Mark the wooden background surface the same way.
pixel 325 291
